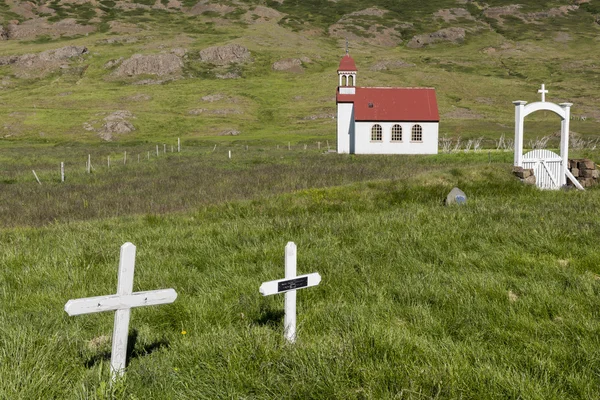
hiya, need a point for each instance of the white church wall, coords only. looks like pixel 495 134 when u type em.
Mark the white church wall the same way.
pixel 364 144
pixel 344 127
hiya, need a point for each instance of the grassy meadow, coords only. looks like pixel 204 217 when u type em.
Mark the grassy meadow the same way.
pixel 494 299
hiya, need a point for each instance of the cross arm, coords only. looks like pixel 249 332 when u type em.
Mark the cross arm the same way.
pixel 285 285
pixel 113 302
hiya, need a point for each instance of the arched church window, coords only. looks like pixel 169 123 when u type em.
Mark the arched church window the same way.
pixel 350 80
pixel 396 133
pixel 376 133
pixel 344 80
pixel 417 133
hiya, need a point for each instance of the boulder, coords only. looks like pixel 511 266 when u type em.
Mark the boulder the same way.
pixel 289 65
pixel 152 64
pixel 116 123
pixel 456 196
pixel 453 35
pixel 221 55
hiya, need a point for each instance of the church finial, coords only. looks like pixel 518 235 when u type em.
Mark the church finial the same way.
pixel 347 47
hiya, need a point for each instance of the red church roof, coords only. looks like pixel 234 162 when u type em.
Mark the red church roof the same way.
pixel 392 104
pixel 347 64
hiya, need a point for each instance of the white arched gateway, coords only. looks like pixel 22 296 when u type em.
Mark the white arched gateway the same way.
pixel 550 169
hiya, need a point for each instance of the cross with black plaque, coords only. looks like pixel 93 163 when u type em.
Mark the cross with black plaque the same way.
pixel 289 285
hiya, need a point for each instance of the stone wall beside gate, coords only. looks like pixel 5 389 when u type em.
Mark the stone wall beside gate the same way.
pixel 585 171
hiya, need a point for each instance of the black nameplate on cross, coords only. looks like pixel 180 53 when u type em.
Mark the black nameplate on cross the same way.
pixel 297 283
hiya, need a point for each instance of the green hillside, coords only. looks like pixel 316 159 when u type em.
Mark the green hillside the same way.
pixel 492 54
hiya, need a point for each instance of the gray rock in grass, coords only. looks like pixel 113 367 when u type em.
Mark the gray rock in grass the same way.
pixel 456 196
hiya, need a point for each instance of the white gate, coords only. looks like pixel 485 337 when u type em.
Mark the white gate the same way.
pixel 546 167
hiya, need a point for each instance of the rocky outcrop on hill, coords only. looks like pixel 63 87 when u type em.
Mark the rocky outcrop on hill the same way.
pixel 453 14
pixel 116 123
pixel 367 26
pixel 513 10
pixel 221 55
pixel 205 6
pixel 39 64
pixel 40 27
pixel 151 64
pixel 390 65
pixel 290 64
pixel 452 35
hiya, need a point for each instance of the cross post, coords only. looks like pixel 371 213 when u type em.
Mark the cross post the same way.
pixel 121 303
pixel 543 91
pixel 289 285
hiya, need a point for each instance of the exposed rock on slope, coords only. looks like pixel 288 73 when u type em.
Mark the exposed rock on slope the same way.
pixel 116 123
pixel 367 26
pixel 390 64
pixel 453 14
pixel 204 6
pixel 39 64
pixel 40 26
pixel 513 10
pixel 221 55
pixel 453 35
pixel 290 64
pixel 152 64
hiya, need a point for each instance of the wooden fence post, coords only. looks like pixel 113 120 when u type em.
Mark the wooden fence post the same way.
pixel 89 164
pixel 178 145
pixel 62 171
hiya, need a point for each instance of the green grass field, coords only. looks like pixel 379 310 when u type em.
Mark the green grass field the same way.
pixel 492 300
pixel 495 299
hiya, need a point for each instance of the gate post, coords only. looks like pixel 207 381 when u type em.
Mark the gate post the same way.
pixel 564 142
pixel 519 117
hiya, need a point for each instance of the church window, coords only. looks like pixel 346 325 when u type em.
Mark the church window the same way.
pixel 376 133
pixel 396 133
pixel 417 133
pixel 350 80
pixel 344 80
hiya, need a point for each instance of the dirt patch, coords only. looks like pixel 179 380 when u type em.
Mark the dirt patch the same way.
pixel 153 64
pixel 222 55
pixel 388 65
pixel 463 113
pixel 452 35
pixel 453 14
pixel 40 27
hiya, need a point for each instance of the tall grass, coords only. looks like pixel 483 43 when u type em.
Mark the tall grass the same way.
pixel 491 300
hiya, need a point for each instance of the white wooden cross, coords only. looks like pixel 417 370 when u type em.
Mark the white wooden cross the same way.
pixel 543 91
pixel 122 302
pixel 289 285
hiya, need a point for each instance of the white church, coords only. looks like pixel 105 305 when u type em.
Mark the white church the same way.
pixel 384 120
